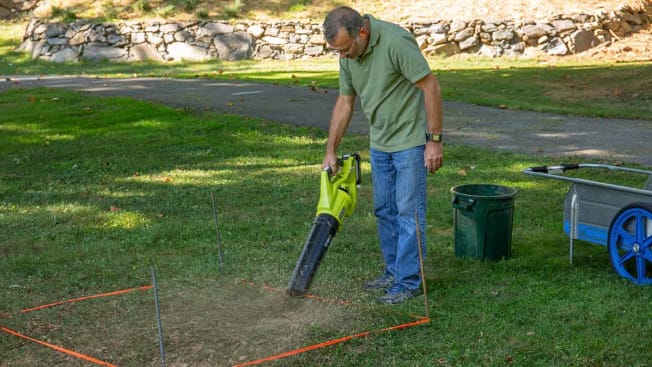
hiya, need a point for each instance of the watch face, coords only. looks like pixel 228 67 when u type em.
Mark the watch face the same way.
pixel 433 137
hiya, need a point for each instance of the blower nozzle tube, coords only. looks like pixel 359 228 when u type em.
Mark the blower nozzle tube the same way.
pixel 322 232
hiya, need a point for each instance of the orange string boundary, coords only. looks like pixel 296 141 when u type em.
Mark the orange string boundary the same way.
pixel 58 348
pixel 421 320
pixel 332 342
pixel 53 304
pixel 143 288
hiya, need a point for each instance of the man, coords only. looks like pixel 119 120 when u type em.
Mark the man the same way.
pixel 381 62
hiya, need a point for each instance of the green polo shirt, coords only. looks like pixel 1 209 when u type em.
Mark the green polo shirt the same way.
pixel 384 76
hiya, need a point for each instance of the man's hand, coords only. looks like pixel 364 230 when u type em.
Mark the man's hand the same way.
pixel 330 160
pixel 433 156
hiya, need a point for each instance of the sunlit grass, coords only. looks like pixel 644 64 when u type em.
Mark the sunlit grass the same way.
pixel 132 189
pixel 126 220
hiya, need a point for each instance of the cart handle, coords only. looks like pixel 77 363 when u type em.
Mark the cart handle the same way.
pixel 566 167
pixel 559 168
pixel 549 172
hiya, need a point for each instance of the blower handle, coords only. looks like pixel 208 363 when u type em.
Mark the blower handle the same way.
pixel 340 163
pixel 356 164
pixel 329 170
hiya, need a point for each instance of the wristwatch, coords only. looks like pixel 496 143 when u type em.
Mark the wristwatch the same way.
pixel 434 137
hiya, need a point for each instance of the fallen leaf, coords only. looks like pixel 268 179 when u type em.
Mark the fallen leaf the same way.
pixel 509 359
pixel 462 172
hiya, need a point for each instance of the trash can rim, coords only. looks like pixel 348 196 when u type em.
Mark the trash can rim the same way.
pixel 513 191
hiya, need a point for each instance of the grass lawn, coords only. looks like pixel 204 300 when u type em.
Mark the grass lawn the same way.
pixel 94 192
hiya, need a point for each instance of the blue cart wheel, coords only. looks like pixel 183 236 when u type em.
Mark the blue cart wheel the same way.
pixel 630 243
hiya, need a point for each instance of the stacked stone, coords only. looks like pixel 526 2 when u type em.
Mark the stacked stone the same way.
pixel 201 41
pixel 10 8
pixel 287 40
pixel 563 35
pixel 134 41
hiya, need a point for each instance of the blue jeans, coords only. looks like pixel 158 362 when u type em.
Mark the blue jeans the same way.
pixel 399 181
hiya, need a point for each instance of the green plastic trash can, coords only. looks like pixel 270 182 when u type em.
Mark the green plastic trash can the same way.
pixel 482 217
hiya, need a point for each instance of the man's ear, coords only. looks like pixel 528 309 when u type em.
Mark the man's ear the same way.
pixel 364 32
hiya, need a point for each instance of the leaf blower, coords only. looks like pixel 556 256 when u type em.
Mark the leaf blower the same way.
pixel 337 198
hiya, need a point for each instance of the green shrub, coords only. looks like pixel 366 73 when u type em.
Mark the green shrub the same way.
pixel 186 5
pixel 201 13
pixel 142 6
pixel 233 10
pixel 165 11
pixel 67 15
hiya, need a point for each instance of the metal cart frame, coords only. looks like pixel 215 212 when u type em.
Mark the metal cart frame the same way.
pixel 619 217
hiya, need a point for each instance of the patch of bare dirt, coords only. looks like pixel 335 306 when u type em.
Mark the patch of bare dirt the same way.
pixel 212 323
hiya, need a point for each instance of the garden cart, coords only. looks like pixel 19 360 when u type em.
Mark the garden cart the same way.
pixel 616 216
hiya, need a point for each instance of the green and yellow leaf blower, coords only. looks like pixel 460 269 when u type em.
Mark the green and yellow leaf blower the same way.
pixel 337 199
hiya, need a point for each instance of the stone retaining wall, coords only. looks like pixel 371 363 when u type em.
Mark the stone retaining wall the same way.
pixel 206 40
pixel 10 8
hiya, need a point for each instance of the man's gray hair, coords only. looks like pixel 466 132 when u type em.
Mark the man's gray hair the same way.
pixel 342 17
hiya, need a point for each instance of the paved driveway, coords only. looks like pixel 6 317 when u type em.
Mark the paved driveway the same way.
pixel 526 132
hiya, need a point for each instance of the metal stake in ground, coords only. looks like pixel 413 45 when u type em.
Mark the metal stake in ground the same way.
pixel 158 318
pixel 217 234
pixel 423 277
